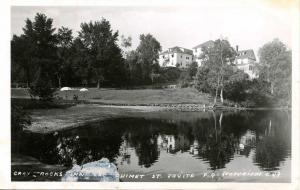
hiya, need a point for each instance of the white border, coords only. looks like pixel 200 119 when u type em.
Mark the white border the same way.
pixel 5 106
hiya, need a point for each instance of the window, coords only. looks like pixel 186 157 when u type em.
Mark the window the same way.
pixel 172 55
pixel 187 58
pixel 181 56
pixel 250 67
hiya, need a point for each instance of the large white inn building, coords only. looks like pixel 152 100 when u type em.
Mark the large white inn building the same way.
pixel 176 57
pixel 183 57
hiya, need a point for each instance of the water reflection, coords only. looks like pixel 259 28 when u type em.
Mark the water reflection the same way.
pixel 216 140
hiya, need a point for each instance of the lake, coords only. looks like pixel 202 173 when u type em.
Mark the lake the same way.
pixel 241 146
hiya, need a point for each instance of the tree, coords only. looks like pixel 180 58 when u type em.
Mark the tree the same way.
pixel 216 61
pixel 42 86
pixel 65 38
pixel 21 66
pixel 148 53
pixel 201 80
pixel 104 55
pixel 81 65
pixel 192 69
pixel 134 68
pixel 275 68
pixel 126 43
pixel 41 52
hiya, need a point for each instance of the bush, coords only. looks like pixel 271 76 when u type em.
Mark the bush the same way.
pixel 171 74
pixel 42 86
pixel 19 119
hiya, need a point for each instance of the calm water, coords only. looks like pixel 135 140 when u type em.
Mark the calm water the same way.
pixel 238 147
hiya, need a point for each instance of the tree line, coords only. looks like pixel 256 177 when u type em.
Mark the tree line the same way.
pixel 46 58
pixel 220 77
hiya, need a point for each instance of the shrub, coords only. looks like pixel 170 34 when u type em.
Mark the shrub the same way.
pixel 42 86
pixel 19 119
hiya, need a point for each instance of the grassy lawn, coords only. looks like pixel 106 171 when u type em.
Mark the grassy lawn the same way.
pixel 142 96
pixel 49 120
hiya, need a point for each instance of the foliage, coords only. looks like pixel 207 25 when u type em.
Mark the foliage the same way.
pixel 192 69
pixel 276 69
pixel 104 55
pixel 19 119
pixel 184 79
pixel 217 59
pixel 42 86
pixel 42 52
pixel 147 52
pixel 64 54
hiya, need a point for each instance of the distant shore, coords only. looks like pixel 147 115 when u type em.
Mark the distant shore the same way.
pixel 98 105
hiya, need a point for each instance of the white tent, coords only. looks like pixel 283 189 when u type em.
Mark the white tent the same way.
pixel 65 89
pixel 83 90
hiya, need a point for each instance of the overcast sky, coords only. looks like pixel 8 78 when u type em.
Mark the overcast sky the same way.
pixel 248 25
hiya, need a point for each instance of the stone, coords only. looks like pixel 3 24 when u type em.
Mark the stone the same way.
pixel 99 171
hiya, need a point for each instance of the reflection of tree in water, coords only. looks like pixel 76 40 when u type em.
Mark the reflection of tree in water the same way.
pixel 217 138
pixel 269 153
pixel 142 136
pixel 78 146
pixel 272 148
pixel 215 145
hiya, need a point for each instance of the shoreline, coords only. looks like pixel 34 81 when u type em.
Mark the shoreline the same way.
pixel 47 121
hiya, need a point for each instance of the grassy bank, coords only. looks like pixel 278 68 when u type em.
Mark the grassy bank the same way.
pixel 49 120
pixel 118 96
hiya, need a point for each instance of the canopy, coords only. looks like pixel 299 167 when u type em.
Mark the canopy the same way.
pixel 83 90
pixel 65 88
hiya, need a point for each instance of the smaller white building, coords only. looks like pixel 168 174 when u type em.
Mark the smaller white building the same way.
pixel 245 61
pixel 197 51
pixel 176 57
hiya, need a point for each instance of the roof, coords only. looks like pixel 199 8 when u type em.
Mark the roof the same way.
pixel 177 49
pixel 246 54
pixel 208 43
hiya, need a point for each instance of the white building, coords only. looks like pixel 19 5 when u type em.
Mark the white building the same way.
pixel 197 51
pixel 245 61
pixel 176 57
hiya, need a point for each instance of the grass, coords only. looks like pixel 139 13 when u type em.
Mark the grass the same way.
pixel 141 96
pixel 49 120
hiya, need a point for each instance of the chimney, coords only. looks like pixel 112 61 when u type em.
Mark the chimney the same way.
pixel 237 48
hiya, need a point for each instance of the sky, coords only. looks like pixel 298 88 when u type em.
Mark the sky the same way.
pixel 244 23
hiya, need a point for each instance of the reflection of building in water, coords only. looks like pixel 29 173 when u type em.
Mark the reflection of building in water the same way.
pixel 248 139
pixel 173 144
pixel 194 148
pixel 246 142
pixel 166 142
pixel 124 152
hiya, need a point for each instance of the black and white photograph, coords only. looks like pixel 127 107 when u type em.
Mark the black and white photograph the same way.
pixel 183 92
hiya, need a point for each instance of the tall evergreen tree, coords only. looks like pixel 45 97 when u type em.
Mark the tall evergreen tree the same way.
pixel 42 42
